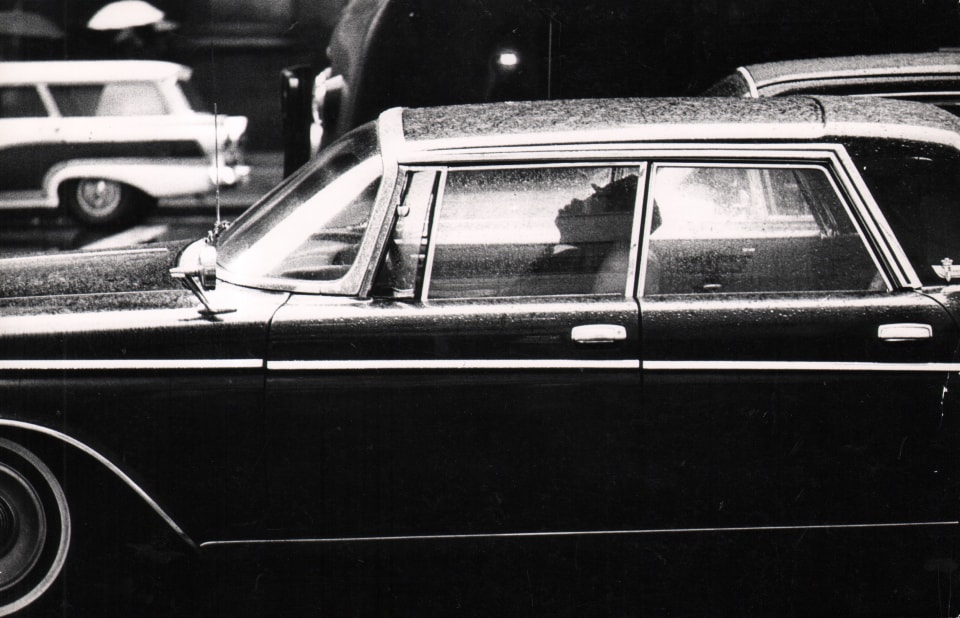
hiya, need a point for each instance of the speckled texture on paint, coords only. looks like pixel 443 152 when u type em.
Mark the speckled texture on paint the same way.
pixel 90 272
pixel 565 116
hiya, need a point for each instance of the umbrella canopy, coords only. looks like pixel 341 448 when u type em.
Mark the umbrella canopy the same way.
pixel 17 23
pixel 125 14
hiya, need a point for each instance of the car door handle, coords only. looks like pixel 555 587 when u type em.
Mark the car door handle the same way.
pixel 904 332
pixel 598 333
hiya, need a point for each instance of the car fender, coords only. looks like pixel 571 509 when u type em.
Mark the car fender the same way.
pixel 165 178
pixel 110 466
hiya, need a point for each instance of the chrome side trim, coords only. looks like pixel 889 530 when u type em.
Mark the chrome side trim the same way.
pixel 877 224
pixel 112 364
pixel 456 364
pixel 751 83
pixel 109 466
pixel 574 533
pixel 692 365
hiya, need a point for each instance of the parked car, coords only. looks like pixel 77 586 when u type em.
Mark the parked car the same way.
pixel 658 356
pixel 929 77
pixel 106 139
pixel 386 53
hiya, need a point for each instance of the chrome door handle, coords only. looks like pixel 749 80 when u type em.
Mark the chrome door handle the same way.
pixel 904 332
pixel 598 333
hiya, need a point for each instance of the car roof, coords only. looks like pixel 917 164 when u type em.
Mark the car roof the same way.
pixel 89 71
pixel 945 63
pixel 694 119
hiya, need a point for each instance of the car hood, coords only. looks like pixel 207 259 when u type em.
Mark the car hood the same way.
pixel 135 269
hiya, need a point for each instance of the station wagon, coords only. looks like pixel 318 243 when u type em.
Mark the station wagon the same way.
pixel 105 139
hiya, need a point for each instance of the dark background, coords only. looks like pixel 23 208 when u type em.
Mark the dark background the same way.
pixel 237 48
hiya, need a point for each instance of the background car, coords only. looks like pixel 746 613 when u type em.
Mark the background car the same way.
pixel 552 355
pixel 106 139
pixel 928 77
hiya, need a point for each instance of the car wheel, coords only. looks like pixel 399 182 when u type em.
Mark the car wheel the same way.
pixel 100 202
pixel 34 527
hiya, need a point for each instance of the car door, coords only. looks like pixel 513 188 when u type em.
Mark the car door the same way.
pixel 488 385
pixel 793 404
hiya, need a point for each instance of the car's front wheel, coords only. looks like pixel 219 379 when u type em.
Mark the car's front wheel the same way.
pixel 34 527
pixel 100 202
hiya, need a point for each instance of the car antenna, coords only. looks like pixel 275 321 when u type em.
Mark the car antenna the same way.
pixel 219 224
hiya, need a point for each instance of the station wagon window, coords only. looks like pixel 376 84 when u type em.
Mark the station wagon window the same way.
pixel 734 229
pixel 21 102
pixel 530 231
pixel 119 99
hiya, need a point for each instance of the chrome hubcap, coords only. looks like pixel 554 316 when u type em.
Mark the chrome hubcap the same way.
pixel 98 195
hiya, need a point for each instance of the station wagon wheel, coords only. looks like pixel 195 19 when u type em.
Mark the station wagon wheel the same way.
pixel 101 202
pixel 34 527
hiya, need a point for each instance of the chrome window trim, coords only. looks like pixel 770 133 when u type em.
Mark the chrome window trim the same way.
pixel 533 364
pixel 887 241
pixel 434 213
pixel 751 83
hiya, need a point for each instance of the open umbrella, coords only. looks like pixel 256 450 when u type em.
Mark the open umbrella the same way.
pixel 125 14
pixel 17 23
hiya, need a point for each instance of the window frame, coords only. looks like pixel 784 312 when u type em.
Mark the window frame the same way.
pixel 845 198
pixel 642 167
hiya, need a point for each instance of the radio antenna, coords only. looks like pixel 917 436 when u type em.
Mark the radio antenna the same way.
pixel 218 225
pixel 216 161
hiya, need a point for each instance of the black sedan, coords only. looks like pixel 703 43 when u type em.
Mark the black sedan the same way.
pixel 612 357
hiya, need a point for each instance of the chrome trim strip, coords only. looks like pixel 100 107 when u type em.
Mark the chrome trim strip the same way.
pixel 573 533
pixel 751 83
pixel 456 364
pixel 432 241
pixel 107 464
pixel 112 364
pixel 879 229
pixel 718 365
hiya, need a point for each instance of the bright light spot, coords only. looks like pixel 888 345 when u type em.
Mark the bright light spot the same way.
pixel 508 59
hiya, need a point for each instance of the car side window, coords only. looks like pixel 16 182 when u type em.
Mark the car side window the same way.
pixel 736 229
pixel 916 186
pixel 120 99
pixel 532 231
pixel 21 102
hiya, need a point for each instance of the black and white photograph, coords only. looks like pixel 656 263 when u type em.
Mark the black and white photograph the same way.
pixel 479 308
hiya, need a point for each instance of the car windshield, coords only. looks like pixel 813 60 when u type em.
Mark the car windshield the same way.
pixel 310 227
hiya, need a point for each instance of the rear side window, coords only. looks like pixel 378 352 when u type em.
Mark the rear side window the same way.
pixel 21 102
pixel 114 99
pixel 916 186
pixel 736 229
pixel 533 231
